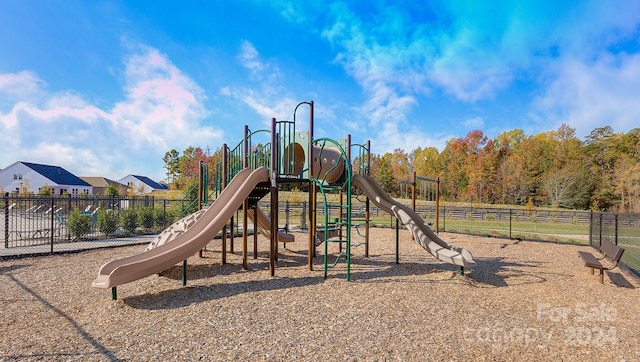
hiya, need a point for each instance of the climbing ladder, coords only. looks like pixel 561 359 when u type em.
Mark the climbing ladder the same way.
pixel 343 222
pixel 361 165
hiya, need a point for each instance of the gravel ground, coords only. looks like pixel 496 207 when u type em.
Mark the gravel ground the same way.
pixel 524 301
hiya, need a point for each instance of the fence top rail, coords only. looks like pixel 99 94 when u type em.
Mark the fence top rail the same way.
pixel 16 198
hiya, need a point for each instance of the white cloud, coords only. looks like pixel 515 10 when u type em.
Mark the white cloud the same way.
pixel 267 97
pixel 163 109
pixel 259 69
pixel 23 85
pixel 263 102
pixel 84 161
pixel 248 57
pixel 470 82
pixel 474 123
pixel 589 95
pixel 387 59
pixel 391 137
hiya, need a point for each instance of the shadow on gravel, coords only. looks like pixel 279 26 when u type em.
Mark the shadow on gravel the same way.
pixel 620 281
pixel 495 272
pixel 100 349
pixel 500 273
pixel 10 268
pixel 185 296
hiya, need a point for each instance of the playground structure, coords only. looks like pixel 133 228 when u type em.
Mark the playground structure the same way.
pixel 252 170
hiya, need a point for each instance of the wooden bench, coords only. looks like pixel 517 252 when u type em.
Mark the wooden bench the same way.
pixel 611 254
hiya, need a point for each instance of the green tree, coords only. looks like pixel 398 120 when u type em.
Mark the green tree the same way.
pixel 107 221
pixel 383 173
pixel 172 165
pixel 111 190
pixel 164 216
pixel 129 220
pixel 145 217
pixel 78 224
pixel 190 203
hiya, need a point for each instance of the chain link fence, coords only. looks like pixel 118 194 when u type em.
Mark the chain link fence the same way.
pixel 40 224
pixel 560 226
pixel 620 229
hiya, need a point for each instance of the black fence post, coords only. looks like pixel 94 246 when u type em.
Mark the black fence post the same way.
pixel 444 218
pixel 600 229
pixel 510 225
pixel 53 211
pixel 591 228
pixel 164 213
pixel 615 235
pixel 6 220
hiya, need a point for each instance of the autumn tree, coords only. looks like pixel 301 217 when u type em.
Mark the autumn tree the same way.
pixel 479 166
pixel 455 179
pixel 624 176
pixel 426 161
pixel 508 170
pixel 383 173
pixel 599 147
pixel 567 182
pixel 401 168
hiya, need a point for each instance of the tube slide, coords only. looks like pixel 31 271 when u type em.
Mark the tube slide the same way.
pixel 190 241
pixel 264 226
pixel 414 223
pixel 327 161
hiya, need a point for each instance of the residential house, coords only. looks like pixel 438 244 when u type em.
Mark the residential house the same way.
pixel 26 177
pixel 100 184
pixel 140 185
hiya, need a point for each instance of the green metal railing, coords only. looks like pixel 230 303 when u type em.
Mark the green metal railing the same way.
pixel 286 135
pixel 259 154
pixel 234 161
pixel 361 161
pixel 344 208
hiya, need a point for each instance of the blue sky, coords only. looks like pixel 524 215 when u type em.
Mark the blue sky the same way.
pixel 105 88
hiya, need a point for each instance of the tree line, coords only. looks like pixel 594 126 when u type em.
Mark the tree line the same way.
pixel 553 168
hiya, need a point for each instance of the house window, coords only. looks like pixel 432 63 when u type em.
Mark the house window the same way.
pixel 17 176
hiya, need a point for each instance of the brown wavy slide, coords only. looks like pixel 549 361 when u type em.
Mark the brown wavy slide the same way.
pixel 414 223
pixel 189 242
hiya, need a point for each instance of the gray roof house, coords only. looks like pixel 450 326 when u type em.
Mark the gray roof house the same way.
pixel 26 177
pixel 100 184
pixel 141 184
